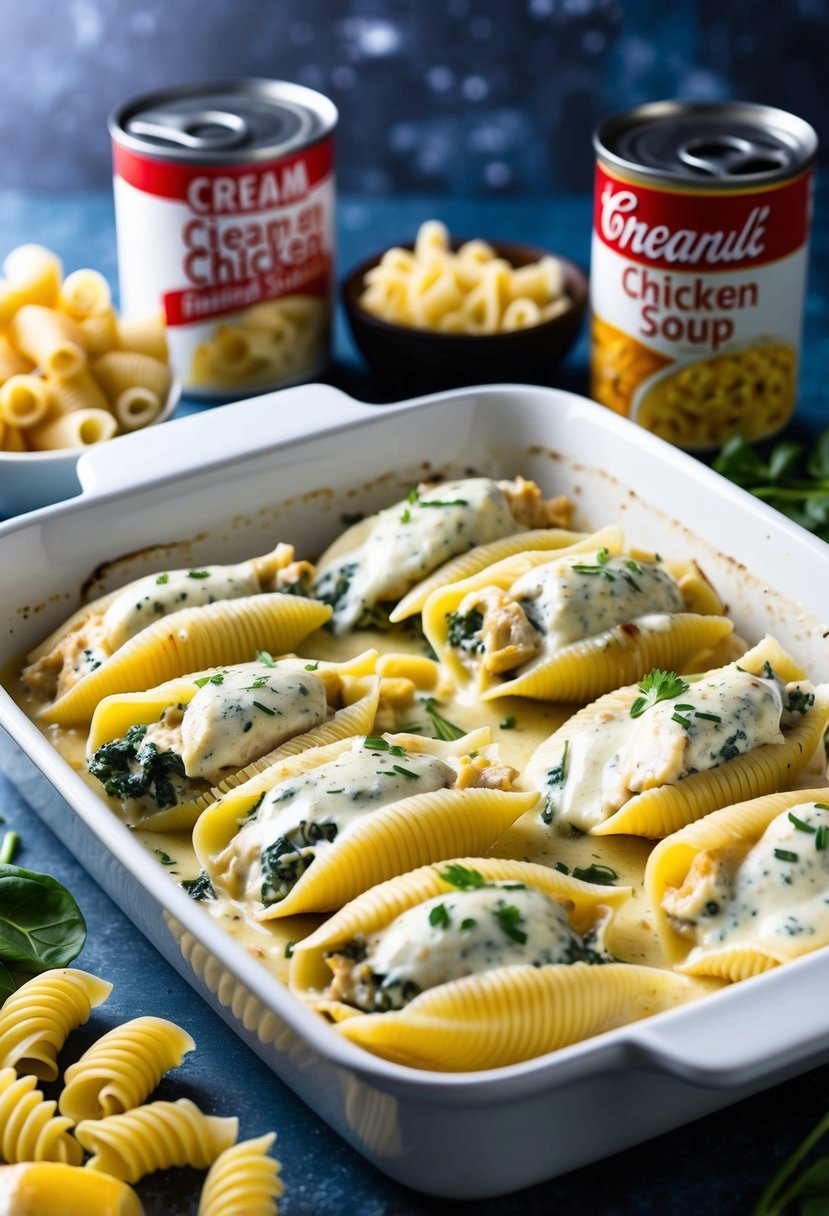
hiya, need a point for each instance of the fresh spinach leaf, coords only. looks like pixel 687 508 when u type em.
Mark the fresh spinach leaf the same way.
pixel 41 926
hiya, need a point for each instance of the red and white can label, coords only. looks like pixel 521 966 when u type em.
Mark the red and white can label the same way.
pixel 697 301
pixel 239 259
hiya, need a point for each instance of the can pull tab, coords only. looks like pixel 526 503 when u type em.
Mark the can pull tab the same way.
pixel 202 130
pixel 731 156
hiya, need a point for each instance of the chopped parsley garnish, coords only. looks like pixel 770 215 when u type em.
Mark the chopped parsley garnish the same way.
pixel 786 855
pixel 262 656
pixel 461 877
pixel 439 917
pixel 162 579
pixel 198 574
pixel 312 666
pixel 216 678
pixel 555 779
pixel 468 923
pixel 508 723
pixel 603 875
pixel 443 728
pixel 657 686
pixel 509 918
pixel 164 858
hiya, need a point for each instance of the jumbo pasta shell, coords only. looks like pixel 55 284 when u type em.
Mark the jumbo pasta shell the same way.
pixel 513 1014
pixel 228 631
pixel 589 667
pixel 379 906
pixel 741 824
pixel 482 556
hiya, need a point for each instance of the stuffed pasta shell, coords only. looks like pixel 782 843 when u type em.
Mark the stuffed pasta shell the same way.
pixel 167 624
pixel 315 830
pixel 475 963
pixel 165 754
pixel 745 889
pixel 647 760
pixel 569 626
pixel 377 561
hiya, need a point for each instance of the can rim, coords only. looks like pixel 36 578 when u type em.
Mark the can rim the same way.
pixel 259 86
pixel 802 130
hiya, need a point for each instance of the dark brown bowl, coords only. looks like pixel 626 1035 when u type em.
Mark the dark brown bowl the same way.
pixel 424 360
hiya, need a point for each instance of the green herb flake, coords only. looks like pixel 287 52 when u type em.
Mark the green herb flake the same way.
pixel 262 656
pixel 312 666
pixel 443 728
pixel 657 686
pixel 468 923
pixel 561 867
pixel 198 574
pixel 786 855
pixel 821 837
pixel 266 709
pixel 376 743
pixel 510 919
pixel 161 579
pixel 164 858
pixel 289 949
pixel 439 917
pixel 508 723
pixel 800 825
pixel 706 717
pixel 603 875
pixel 443 502
pixel 461 877
pixel 404 772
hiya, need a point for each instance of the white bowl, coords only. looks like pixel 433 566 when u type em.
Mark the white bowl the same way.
pixel 36 479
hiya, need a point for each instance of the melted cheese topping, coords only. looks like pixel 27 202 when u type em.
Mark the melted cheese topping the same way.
pixel 579 597
pixel 614 756
pixel 241 714
pixel 464 933
pixel 410 540
pixel 148 599
pixel 776 897
pixel 309 811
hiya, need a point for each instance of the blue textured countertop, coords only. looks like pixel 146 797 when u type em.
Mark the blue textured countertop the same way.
pixel 717 1165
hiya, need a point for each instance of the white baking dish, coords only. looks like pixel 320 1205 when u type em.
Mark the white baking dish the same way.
pixel 285 466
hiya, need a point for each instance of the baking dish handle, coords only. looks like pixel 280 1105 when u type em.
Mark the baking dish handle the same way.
pixel 216 434
pixel 757 1030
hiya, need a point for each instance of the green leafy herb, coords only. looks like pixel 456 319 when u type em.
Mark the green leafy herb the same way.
pixel 41 926
pixel 700 713
pixel 164 858
pixel 266 709
pixel 561 867
pixel 799 824
pixel 312 666
pixel 791 480
pixel 262 656
pixel 464 630
pixel 199 888
pixel 786 855
pixel 376 743
pixel 468 923
pixel 657 686
pixel 162 579
pixel 461 877
pixel 443 728
pixel 603 875
pixel 804 1194
pixel 405 772
pixel 289 949
pixel 198 574
pixel 821 837
pixel 509 918
pixel 439 917
pixel 508 723
pixel 216 678
pixel 443 502
pixel 133 768
pixel 555 780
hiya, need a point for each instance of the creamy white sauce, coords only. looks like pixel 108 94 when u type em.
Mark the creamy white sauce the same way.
pixel 778 898
pixel 151 598
pixel 409 541
pixel 331 796
pixel 243 713
pixel 579 596
pixel 465 933
pixel 615 756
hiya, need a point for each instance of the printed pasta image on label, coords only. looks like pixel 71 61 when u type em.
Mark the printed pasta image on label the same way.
pixel 697 302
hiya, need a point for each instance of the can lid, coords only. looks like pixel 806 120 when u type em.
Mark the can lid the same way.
pixel 720 145
pixel 224 122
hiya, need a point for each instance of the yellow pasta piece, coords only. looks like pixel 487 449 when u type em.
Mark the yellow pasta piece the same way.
pixel 34 274
pixel 78 392
pixel 122 1068
pixel 119 370
pixel 100 334
pixel 730 833
pixel 244 1179
pixel 11 363
pixel 36 1020
pixel 29 1128
pixel 520 314
pixel 13 439
pixel 82 428
pixel 386 840
pixel 145 335
pixel 155 1137
pixel 136 407
pixel 352 700
pixel 489 1019
pixel 84 293
pixel 52 341
pixel 51 1188
pixel 24 401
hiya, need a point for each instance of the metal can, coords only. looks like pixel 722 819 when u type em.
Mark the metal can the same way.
pixel 698 267
pixel 224 204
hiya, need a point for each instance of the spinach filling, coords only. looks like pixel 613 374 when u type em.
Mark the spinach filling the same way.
pixel 200 887
pixel 465 631
pixel 286 860
pixel 133 768
pixel 333 586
